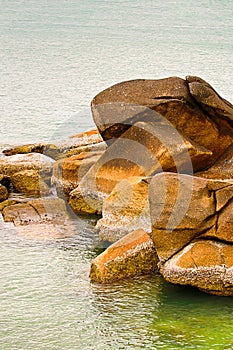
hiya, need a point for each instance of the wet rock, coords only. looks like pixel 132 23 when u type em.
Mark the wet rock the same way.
pixel 125 210
pixel 30 182
pixel 122 105
pixel 130 256
pixel 3 193
pixel 68 172
pixel 42 218
pixel 205 264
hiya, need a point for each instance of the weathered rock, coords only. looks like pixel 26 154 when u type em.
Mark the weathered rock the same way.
pixel 3 193
pixel 23 149
pixel 184 207
pixel 209 99
pixel 205 264
pixel 69 171
pixel 30 182
pixel 144 149
pixel 95 147
pixel 8 202
pixel 222 169
pixel 132 255
pixel 122 105
pixel 31 161
pixel 60 149
pixel 42 218
pixel 125 210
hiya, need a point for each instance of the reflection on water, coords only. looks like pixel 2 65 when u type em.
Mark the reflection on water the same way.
pixel 47 302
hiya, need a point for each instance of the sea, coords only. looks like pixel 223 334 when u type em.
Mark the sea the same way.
pixel 55 56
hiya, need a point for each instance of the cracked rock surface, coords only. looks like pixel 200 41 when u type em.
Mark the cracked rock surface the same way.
pixel 192 230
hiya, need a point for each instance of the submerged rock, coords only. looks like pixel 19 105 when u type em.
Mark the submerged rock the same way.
pixel 42 218
pixel 130 256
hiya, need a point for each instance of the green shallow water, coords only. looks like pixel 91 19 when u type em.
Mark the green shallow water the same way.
pixel 47 302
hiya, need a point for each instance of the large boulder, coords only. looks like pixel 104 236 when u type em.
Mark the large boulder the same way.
pixel 130 256
pixel 184 210
pixel 144 149
pixel 122 105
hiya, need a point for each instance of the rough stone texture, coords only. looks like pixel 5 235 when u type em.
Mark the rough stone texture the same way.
pixel 132 255
pixel 31 161
pixel 125 210
pixel 222 169
pixel 43 218
pixel 207 265
pixel 68 172
pixel 185 207
pixel 60 149
pixel 144 149
pixel 122 105
pixel 3 193
pixel 8 202
pixel 209 99
pixel 29 182
pixel 23 149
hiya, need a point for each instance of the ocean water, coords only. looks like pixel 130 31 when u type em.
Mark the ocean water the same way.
pixel 55 56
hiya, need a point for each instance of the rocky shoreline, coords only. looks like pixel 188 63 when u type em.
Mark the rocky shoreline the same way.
pixel 158 170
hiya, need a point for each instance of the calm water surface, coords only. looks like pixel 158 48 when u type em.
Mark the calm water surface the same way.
pixel 55 56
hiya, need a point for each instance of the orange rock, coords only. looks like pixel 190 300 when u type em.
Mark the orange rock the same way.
pixel 132 255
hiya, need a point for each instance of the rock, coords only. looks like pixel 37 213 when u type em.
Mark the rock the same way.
pixel 122 105
pixel 3 193
pixel 209 99
pixel 222 169
pixel 94 148
pixel 42 218
pixel 68 172
pixel 144 149
pixel 130 256
pixel 205 264
pixel 60 149
pixel 22 149
pixel 184 207
pixel 29 182
pixel 125 210
pixel 8 202
pixel 31 161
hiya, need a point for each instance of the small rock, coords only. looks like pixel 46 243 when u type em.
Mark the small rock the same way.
pixel 3 193
pixel 29 182
pixel 130 256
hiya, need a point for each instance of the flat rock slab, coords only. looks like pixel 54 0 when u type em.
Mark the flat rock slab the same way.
pixel 42 218
pixel 130 256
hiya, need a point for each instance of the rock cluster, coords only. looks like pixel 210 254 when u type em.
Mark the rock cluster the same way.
pixel 162 181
